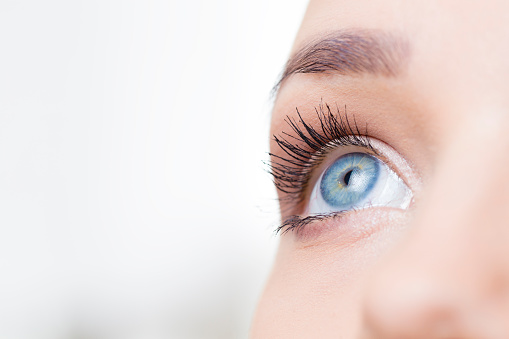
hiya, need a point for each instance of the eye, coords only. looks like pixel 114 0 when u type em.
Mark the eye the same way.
pixel 356 181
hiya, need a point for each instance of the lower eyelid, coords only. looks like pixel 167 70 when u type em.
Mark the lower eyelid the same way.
pixel 307 224
pixel 300 210
pixel 349 228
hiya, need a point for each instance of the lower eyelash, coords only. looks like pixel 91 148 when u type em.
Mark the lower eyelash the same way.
pixel 309 146
pixel 297 223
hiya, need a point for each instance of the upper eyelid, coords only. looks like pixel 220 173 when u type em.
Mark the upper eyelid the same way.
pixel 292 175
pixel 309 145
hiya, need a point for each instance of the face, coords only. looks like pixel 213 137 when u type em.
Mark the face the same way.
pixel 391 159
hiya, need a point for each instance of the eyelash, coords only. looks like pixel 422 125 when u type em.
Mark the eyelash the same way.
pixel 305 151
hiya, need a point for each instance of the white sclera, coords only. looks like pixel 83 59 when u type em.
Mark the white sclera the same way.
pixel 389 191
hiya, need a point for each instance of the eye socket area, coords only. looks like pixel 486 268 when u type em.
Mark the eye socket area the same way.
pixel 355 179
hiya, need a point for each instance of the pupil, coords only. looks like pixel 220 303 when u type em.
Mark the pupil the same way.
pixel 346 179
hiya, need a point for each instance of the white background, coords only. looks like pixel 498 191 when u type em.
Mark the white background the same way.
pixel 133 198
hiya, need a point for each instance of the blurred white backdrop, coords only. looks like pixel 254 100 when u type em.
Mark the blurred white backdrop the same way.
pixel 133 198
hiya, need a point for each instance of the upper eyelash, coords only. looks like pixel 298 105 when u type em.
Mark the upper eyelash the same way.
pixel 309 146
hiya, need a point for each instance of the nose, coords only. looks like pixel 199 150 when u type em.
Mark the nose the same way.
pixel 449 278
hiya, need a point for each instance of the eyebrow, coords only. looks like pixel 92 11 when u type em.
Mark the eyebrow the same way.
pixel 349 53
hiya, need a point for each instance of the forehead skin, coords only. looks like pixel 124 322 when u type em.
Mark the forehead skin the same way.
pixel 455 80
pixel 458 67
pixel 458 51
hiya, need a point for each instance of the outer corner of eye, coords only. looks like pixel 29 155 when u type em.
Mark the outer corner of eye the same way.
pixel 357 181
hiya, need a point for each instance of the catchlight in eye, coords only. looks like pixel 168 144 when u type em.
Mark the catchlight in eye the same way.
pixel 356 181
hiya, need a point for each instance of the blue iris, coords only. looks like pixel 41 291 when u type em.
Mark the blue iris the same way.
pixel 349 180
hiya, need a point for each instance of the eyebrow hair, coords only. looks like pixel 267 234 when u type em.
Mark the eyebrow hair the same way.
pixel 348 53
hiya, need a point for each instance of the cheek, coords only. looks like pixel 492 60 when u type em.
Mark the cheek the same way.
pixel 317 283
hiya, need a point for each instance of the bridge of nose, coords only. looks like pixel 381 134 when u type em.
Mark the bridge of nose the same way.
pixel 456 256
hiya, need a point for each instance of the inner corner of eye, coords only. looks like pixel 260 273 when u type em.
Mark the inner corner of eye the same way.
pixel 356 181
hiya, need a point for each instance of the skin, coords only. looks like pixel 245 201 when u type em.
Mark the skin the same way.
pixel 441 268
